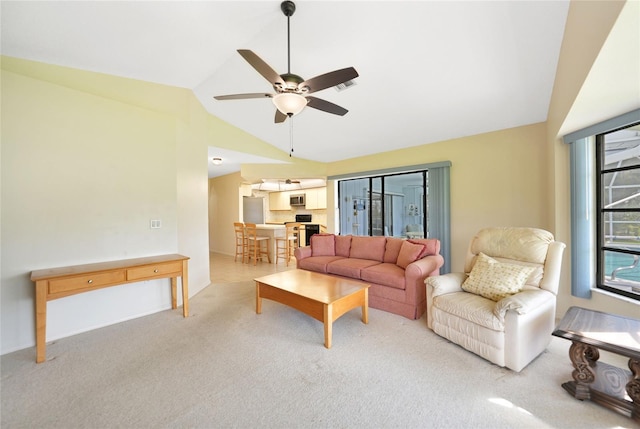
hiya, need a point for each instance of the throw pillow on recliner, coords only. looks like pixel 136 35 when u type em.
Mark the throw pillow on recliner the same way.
pixel 495 280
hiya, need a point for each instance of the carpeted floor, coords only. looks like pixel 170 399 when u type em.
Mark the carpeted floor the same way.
pixel 226 366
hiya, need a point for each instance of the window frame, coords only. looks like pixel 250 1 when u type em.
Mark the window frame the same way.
pixel 601 212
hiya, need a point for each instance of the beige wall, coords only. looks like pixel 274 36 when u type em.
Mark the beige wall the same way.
pixel 82 176
pixel 224 209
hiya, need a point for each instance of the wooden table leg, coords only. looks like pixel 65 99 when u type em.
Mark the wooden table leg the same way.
pixel 174 293
pixel 582 357
pixel 365 307
pixel 185 288
pixel 258 299
pixel 328 325
pixel 41 321
pixel 633 388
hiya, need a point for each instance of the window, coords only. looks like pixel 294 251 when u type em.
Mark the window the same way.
pixel 390 205
pixel 605 179
pixel 412 203
pixel 618 211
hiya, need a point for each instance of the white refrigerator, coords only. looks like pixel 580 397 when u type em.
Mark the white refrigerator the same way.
pixel 253 210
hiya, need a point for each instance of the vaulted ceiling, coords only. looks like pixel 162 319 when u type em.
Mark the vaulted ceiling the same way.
pixel 429 70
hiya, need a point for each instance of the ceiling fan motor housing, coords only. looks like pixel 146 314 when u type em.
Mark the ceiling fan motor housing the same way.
pixel 292 81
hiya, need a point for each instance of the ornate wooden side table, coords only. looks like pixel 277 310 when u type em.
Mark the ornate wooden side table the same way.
pixel 590 331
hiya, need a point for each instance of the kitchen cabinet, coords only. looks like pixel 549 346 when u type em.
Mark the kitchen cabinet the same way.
pixel 316 198
pixel 279 200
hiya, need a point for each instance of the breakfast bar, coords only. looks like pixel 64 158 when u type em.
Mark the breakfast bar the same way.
pixel 272 231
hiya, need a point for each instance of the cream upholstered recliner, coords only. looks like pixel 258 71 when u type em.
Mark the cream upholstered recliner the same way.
pixel 490 318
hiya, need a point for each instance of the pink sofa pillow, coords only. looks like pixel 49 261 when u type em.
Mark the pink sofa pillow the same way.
pixel 392 249
pixel 368 248
pixel 323 245
pixel 409 252
pixel 343 245
pixel 431 246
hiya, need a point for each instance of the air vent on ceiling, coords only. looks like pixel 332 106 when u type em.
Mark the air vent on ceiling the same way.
pixel 344 85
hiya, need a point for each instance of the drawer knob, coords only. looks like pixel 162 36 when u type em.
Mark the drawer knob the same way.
pixel 90 281
pixel 155 271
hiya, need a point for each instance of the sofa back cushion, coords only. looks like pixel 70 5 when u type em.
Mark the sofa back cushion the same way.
pixel 323 245
pixel 409 252
pixel 343 245
pixel 368 248
pixel 392 249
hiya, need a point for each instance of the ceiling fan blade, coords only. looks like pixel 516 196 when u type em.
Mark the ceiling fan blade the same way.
pixel 328 80
pixel 326 106
pixel 280 117
pixel 243 96
pixel 261 67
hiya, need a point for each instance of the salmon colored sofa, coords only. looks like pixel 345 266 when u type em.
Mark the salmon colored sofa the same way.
pixel 395 268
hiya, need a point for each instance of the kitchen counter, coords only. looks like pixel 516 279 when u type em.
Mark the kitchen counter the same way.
pixel 272 231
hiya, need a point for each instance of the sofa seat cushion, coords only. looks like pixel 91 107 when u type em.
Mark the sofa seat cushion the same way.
pixel 386 274
pixel 473 308
pixel 349 267
pixel 317 263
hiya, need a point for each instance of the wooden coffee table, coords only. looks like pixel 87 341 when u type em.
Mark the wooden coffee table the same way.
pixel 610 386
pixel 321 296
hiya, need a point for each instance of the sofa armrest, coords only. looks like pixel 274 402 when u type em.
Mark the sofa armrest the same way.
pixel 302 252
pixel 427 266
pixel 446 283
pixel 522 302
pixel 414 275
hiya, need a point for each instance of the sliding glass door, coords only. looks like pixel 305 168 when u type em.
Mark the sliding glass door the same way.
pixel 392 205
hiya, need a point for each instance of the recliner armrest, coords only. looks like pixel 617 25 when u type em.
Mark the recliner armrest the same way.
pixel 446 283
pixel 521 302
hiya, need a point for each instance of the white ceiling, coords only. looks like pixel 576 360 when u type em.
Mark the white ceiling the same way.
pixel 429 70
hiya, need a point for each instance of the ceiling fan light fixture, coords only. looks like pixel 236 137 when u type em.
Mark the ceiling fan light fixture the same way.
pixel 289 103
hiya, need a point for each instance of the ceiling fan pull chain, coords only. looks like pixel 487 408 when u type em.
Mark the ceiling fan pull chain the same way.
pixel 290 136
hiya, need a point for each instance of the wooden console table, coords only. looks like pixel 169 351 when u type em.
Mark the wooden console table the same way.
pixel 610 386
pixel 54 283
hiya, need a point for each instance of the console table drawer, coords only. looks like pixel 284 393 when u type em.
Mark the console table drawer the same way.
pixel 95 280
pixel 151 271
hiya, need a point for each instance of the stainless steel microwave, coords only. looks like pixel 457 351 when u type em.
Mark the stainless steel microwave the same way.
pixel 296 200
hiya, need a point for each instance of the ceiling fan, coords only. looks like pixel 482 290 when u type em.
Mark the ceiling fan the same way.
pixel 292 91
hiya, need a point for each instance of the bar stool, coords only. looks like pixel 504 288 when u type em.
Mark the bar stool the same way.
pixel 285 246
pixel 241 241
pixel 255 248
